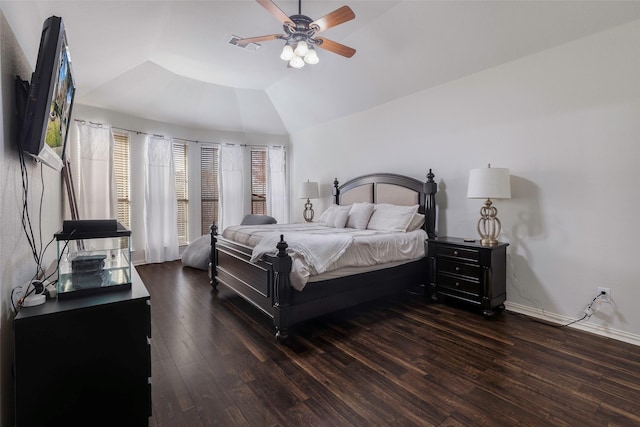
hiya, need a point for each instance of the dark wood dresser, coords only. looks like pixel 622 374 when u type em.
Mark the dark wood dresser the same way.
pixel 468 272
pixel 85 360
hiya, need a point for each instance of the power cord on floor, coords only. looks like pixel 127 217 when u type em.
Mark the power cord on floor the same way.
pixel 591 309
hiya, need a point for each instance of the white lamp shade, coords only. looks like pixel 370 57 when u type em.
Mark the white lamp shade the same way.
pixel 287 53
pixel 302 48
pixel 489 183
pixel 296 62
pixel 311 57
pixel 308 190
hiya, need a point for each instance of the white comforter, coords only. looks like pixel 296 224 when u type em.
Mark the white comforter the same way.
pixel 316 249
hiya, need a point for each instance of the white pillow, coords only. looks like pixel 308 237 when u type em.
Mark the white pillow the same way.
pixel 416 222
pixel 388 217
pixel 198 253
pixel 324 218
pixel 359 215
pixel 341 217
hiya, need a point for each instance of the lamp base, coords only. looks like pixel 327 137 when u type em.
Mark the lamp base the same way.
pixel 308 211
pixel 489 226
pixel 489 242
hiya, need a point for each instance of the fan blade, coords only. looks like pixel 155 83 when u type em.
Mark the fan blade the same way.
pixel 336 47
pixel 244 42
pixel 334 18
pixel 275 11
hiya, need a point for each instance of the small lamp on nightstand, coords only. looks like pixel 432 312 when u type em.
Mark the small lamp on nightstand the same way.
pixel 308 190
pixel 489 183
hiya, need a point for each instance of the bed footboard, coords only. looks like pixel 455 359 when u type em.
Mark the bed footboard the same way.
pixel 265 284
pixel 282 289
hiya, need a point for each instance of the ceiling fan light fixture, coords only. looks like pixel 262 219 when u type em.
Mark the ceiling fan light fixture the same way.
pixel 299 33
pixel 287 53
pixel 311 57
pixel 302 48
pixel 296 62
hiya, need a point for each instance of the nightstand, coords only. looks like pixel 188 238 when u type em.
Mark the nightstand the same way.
pixel 468 272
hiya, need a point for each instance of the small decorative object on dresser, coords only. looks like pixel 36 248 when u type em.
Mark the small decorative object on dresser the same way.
pixel 308 190
pixel 469 272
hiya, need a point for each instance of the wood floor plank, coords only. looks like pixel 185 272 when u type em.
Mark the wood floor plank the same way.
pixel 398 361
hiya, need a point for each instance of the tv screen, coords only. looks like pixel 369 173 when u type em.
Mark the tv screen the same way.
pixel 45 121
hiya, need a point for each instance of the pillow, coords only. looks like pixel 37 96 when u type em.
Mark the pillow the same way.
pixel 388 217
pixel 335 216
pixel 258 220
pixel 416 222
pixel 359 215
pixel 342 216
pixel 196 254
pixel 324 218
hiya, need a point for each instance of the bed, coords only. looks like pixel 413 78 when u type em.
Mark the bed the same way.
pixel 266 281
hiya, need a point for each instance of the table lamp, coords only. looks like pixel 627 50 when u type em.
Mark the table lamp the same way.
pixel 489 183
pixel 308 190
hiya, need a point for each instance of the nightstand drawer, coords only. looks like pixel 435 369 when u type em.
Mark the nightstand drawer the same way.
pixel 460 286
pixel 468 255
pixel 446 266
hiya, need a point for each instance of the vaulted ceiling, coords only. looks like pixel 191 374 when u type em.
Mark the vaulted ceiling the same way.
pixel 171 61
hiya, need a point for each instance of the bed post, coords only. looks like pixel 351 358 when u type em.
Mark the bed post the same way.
pixel 430 188
pixel 282 288
pixel 213 257
pixel 335 191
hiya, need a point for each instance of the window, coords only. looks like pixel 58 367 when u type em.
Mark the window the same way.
pixel 259 182
pixel 121 168
pixel 182 191
pixel 209 193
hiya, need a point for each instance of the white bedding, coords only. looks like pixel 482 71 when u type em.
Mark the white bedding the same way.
pixel 358 248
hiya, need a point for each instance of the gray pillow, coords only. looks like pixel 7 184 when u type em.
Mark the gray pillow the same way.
pixel 197 254
pixel 258 219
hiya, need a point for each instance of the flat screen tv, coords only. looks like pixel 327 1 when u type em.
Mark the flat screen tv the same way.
pixel 46 103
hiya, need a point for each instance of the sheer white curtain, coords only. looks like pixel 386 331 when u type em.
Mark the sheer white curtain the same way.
pixel 161 206
pixel 277 205
pixel 232 186
pixel 94 178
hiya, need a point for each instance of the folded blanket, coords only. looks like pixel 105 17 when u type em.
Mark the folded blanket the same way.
pixel 311 253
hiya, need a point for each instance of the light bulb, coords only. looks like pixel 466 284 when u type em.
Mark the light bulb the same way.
pixel 296 62
pixel 311 57
pixel 287 52
pixel 302 49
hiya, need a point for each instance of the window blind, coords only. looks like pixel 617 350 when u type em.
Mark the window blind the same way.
pixel 209 192
pixel 182 191
pixel 259 182
pixel 121 168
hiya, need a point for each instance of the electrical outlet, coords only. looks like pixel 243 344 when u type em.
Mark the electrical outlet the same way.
pixel 607 294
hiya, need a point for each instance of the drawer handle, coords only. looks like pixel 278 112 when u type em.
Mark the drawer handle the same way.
pixel 457 268
pixel 455 253
pixel 457 284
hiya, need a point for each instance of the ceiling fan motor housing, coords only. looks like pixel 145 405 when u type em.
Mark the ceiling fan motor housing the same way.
pixel 302 28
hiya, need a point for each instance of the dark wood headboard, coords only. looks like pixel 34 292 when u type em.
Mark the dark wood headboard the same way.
pixel 394 189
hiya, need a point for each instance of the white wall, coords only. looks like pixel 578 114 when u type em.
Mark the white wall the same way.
pixel 566 122
pixel 115 119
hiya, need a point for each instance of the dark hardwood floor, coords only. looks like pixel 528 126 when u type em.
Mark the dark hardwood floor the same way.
pixel 399 361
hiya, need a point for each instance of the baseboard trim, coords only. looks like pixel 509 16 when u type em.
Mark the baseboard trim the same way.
pixel 583 326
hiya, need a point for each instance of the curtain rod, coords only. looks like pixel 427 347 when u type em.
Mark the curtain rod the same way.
pixel 138 132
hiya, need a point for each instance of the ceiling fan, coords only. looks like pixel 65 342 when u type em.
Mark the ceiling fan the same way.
pixel 300 34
